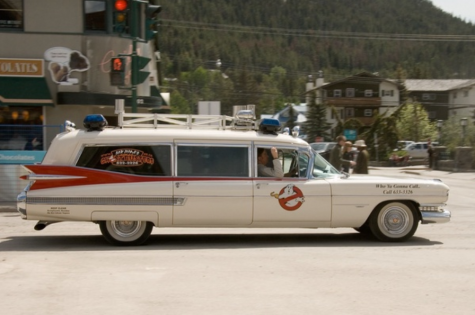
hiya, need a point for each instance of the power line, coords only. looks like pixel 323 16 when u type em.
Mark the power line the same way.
pixel 319 33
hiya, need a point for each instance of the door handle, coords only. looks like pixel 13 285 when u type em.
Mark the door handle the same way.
pixel 178 184
pixel 258 185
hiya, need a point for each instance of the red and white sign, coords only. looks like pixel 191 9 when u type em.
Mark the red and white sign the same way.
pixel 290 197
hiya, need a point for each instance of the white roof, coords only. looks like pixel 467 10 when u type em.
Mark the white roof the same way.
pixel 436 85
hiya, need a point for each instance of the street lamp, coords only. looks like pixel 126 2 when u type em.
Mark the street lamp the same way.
pixel 463 123
pixel 439 128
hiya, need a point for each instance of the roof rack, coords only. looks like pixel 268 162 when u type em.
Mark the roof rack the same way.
pixel 134 120
pixel 178 121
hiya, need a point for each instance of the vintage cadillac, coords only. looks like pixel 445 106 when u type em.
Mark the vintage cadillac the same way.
pixel 156 170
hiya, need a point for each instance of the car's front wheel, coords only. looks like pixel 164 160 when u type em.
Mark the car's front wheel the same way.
pixel 393 222
pixel 126 233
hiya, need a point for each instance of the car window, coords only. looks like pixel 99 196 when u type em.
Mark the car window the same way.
pixel 205 160
pixel 154 160
pixel 321 168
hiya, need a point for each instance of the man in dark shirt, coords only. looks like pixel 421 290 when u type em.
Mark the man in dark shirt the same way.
pixel 336 154
pixel 363 158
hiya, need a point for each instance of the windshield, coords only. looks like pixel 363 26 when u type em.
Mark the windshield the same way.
pixel 322 168
pixel 318 146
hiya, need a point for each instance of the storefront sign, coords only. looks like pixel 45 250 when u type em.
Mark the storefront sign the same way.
pixel 21 157
pixel 350 134
pixel 21 67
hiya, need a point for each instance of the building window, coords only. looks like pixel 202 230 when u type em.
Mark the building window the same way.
pixel 349 112
pixel 368 113
pixel 431 114
pixel 368 93
pixel 21 128
pixel 455 94
pixel 428 97
pixel 388 93
pixel 350 92
pixel 465 93
pixel 336 93
pixel 11 14
pixel 95 15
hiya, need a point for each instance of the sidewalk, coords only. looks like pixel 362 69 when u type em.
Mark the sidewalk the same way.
pixel 423 171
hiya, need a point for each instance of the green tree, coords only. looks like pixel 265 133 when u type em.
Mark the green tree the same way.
pixel 316 124
pixel 451 134
pixel 293 114
pixel 413 123
pixel 381 138
pixel 178 104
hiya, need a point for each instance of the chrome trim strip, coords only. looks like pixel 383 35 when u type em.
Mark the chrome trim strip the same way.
pixel 49 177
pixel 435 217
pixel 107 201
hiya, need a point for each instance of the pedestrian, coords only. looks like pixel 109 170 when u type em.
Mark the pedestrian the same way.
pixel 430 153
pixel 348 155
pixel 336 155
pixel 362 159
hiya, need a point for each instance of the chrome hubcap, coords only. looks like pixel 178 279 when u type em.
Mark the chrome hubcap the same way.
pixel 395 220
pixel 126 228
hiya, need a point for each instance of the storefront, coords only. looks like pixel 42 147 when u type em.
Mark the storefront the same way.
pixel 55 66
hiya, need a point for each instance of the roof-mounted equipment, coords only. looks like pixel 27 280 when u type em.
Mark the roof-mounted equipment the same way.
pixel 269 126
pixel 95 122
pixel 69 126
pixel 244 119
pixel 296 131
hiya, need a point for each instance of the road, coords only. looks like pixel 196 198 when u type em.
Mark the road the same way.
pixel 69 269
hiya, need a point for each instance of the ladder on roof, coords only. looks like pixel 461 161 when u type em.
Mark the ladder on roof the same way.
pixel 134 120
pixel 179 121
pixel 155 121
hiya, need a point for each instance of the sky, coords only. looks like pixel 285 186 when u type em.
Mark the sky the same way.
pixel 464 9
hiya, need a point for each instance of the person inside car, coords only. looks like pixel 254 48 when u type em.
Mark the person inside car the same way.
pixel 263 159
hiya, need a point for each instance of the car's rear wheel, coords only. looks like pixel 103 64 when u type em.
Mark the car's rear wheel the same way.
pixel 393 222
pixel 126 233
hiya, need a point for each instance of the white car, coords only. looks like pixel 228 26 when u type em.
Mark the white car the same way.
pixel 201 171
pixel 418 150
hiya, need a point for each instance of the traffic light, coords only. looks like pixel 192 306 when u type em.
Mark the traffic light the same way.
pixel 150 21
pixel 139 63
pixel 117 74
pixel 121 16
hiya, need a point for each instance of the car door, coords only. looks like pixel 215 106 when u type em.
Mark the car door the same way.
pixel 291 201
pixel 213 181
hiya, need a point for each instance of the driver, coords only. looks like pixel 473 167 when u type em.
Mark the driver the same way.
pixel 263 159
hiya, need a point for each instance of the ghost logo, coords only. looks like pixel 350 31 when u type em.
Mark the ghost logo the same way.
pixel 290 197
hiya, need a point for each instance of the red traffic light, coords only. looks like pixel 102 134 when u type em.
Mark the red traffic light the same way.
pixel 120 5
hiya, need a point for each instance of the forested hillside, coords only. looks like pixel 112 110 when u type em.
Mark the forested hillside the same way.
pixel 296 38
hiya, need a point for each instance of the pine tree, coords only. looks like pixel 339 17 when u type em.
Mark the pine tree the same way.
pixel 414 124
pixel 316 124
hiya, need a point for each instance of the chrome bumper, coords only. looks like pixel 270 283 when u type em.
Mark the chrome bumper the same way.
pixel 442 216
pixel 21 204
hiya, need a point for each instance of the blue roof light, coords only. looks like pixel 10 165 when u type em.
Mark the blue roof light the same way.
pixel 269 125
pixel 95 122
